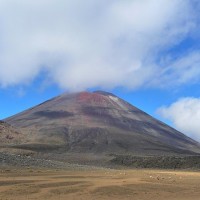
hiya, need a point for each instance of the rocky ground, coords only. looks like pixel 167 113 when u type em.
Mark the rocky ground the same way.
pixel 63 161
pixel 22 161
pixel 158 162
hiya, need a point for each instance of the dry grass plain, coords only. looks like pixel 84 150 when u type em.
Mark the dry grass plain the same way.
pixel 99 184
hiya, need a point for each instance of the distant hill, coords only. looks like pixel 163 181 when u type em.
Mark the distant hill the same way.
pixel 9 135
pixel 98 123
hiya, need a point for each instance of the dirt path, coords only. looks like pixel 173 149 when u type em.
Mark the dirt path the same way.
pixel 99 184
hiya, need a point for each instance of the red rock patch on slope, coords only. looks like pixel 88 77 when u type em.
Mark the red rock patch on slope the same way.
pixel 93 99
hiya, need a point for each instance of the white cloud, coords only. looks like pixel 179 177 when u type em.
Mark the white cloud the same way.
pixel 185 69
pixel 82 44
pixel 185 116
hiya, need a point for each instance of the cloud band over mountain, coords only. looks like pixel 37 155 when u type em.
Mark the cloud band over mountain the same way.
pixel 107 44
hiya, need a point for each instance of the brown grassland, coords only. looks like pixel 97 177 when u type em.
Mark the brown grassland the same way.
pixel 99 184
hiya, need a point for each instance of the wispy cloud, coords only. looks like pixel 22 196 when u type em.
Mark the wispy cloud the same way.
pixel 82 44
pixel 185 116
pixel 182 70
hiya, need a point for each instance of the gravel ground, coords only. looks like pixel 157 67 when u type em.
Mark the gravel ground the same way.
pixel 117 161
pixel 28 161
pixel 158 162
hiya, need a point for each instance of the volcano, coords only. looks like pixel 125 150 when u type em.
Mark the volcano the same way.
pixel 99 123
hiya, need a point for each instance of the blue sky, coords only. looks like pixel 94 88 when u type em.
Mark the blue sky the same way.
pixel 146 52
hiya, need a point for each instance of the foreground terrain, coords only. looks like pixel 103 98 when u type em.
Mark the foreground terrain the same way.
pixel 98 184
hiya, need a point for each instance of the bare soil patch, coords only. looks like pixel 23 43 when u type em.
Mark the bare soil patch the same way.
pixel 99 184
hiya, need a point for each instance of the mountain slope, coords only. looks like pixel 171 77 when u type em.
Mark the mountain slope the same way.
pixel 98 122
pixel 8 134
